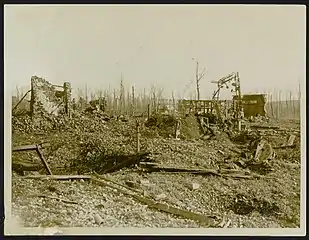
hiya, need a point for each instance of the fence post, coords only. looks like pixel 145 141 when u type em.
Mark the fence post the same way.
pixel 137 136
pixel 67 98
pixel 148 111
pixel 177 129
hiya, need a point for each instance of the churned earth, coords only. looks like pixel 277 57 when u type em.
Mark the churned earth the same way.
pixel 271 201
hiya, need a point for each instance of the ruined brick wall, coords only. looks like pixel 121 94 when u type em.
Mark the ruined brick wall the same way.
pixel 254 105
pixel 46 99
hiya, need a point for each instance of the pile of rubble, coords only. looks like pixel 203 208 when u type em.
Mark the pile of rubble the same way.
pixel 213 163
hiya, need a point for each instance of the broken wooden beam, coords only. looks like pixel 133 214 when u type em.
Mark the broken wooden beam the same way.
pixel 290 141
pixel 20 100
pixel 56 198
pixel 58 177
pixel 29 147
pixel 284 146
pixel 121 185
pixel 43 160
pixel 265 127
pixel 264 151
pixel 158 168
pixel 24 148
pixel 226 173
pixel 206 221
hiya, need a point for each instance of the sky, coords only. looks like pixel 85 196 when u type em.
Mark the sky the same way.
pixel 156 45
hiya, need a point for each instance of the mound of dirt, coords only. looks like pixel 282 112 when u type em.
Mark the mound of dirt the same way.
pixel 243 205
pixel 165 125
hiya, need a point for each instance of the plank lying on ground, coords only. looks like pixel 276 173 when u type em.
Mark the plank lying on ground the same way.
pixel 29 147
pixel 223 173
pixel 56 198
pixel 205 221
pixel 227 176
pixel 265 127
pixel 24 148
pixel 226 173
pixel 121 185
pixel 291 140
pixel 57 177
pixel 284 146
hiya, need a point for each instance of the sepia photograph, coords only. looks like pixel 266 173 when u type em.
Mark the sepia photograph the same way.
pixel 154 119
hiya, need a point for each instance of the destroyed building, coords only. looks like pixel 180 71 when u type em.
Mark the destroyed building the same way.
pixel 254 105
pixel 48 98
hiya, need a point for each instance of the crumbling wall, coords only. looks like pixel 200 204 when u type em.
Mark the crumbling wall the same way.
pixel 254 105
pixel 46 99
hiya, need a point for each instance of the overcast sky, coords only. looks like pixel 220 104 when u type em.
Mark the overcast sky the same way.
pixel 155 44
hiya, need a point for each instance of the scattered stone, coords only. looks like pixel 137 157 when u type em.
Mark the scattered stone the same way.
pixel 227 224
pixel 219 151
pixel 98 219
pixel 144 182
pixel 264 151
pixel 160 196
pixel 131 184
pixel 291 140
pixel 194 186
pixel 52 231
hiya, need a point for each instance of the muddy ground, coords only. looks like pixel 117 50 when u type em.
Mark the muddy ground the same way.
pixel 271 201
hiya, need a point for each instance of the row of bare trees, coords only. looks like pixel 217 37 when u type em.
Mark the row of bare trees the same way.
pixel 129 101
pixel 284 105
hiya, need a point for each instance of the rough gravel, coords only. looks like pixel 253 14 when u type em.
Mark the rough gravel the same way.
pixel 214 196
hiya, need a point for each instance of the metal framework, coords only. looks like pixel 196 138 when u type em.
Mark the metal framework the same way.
pixel 233 80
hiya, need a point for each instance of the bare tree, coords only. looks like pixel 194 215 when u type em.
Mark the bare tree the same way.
pixel 121 95
pixel 133 100
pixel 198 77
pixel 86 93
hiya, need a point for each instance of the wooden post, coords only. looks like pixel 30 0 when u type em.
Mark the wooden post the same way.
pixel 197 82
pixel 148 111
pixel 174 105
pixel 177 130
pixel 137 136
pixel 292 104
pixel 67 98
pixel 239 125
pixel 271 105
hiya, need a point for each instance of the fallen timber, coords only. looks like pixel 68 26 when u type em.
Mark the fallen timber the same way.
pixel 205 221
pixel 21 166
pixel 225 173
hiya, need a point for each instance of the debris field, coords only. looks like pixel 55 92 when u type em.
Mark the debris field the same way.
pixel 91 169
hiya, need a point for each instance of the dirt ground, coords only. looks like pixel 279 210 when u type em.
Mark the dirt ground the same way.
pixel 272 201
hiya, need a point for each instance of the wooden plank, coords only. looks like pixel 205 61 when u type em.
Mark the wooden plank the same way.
pixel 24 148
pixel 57 177
pixel 265 127
pixel 284 146
pixel 29 147
pixel 43 160
pixel 225 173
pixel 291 140
pixel 56 198
pixel 205 221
